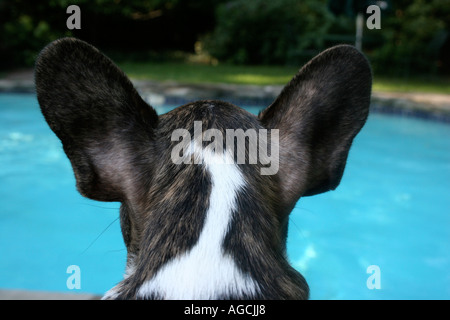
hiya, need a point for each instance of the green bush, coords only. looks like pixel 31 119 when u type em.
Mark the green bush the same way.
pixel 265 32
pixel 414 36
pixel 25 29
pixel 130 28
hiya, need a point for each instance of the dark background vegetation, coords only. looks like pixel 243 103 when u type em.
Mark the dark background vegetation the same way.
pixel 414 36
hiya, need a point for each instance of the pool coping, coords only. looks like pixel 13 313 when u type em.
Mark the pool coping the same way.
pixel 420 105
pixel 19 294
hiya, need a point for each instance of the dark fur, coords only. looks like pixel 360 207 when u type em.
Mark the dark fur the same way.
pixel 120 151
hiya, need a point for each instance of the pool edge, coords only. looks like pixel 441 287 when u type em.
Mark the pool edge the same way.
pixel 20 294
pixel 435 107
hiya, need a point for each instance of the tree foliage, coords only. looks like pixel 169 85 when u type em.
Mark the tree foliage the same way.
pixel 414 35
pixel 277 31
pixel 130 26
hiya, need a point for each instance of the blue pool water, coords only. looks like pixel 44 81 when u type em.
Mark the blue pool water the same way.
pixel 391 210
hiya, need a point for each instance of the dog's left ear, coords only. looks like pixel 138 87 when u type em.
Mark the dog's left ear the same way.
pixel 104 125
pixel 318 114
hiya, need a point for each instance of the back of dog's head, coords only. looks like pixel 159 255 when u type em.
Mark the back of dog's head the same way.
pixel 206 189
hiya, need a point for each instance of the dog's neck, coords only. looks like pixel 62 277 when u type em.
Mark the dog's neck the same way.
pixel 217 259
pixel 205 271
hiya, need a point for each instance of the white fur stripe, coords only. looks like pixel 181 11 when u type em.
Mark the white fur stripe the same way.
pixel 206 272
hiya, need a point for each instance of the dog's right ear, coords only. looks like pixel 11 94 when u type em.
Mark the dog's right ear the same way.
pixel 318 114
pixel 100 118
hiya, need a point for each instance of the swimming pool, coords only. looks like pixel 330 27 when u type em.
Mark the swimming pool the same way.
pixel 390 211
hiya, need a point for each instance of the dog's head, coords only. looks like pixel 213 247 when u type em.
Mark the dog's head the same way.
pixel 206 189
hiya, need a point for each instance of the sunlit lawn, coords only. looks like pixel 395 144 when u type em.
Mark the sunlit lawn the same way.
pixel 263 75
pixel 198 73
pixel 414 84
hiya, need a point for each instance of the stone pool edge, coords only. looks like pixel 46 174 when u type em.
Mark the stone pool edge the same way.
pixel 19 294
pixel 423 105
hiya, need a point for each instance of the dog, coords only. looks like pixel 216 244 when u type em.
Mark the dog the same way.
pixel 203 229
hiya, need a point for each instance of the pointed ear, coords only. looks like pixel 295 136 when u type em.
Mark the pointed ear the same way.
pixel 318 114
pixel 94 109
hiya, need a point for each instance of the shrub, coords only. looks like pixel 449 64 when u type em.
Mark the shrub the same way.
pixel 414 37
pixel 263 32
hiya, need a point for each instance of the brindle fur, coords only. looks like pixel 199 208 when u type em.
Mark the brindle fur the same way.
pixel 120 149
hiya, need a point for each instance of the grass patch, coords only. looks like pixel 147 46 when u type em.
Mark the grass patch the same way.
pixel 414 84
pixel 264 75
pixel 222 73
